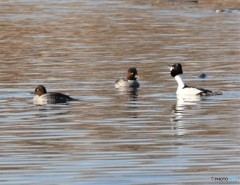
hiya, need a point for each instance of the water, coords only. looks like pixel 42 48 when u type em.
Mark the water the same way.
pixel 110 137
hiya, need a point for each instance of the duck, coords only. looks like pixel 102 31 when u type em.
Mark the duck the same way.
pixel 43 97
pixel 176 72
pixel 130 81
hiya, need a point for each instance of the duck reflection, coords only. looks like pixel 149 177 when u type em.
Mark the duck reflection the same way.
pixel 127 99
pixel 184 106
pixel 132 93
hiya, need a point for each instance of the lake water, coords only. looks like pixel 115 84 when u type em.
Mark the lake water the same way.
pixel 111 137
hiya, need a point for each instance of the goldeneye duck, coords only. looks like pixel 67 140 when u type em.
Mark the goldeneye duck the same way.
pixel 130 81
pixel 43 97
pixel 183 89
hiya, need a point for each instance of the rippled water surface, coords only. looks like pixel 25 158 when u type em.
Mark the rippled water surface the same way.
pixel 111 137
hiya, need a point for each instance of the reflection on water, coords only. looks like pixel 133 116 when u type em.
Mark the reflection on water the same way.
pixel 146 136
pixel 185 105
pixel 132 93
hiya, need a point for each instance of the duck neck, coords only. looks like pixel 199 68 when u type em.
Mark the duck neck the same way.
pixel 179 79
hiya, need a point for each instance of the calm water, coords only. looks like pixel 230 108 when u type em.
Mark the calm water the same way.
pixel 110 137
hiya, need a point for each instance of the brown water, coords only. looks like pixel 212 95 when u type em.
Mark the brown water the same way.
pixel 109 137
